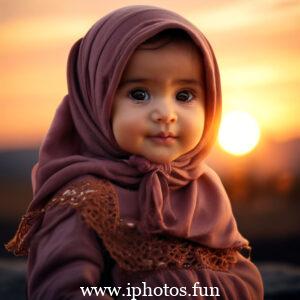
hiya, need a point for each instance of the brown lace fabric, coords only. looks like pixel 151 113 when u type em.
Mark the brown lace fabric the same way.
pixel 97 202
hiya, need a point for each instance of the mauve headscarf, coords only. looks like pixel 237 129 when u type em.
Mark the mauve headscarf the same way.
pixel 184 198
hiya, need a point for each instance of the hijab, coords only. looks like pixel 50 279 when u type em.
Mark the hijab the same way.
pixel 184 198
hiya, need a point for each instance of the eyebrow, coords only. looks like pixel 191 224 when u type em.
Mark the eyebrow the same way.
pixel 145 80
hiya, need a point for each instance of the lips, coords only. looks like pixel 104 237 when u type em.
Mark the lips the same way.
pixel 164 134
pixel 163 138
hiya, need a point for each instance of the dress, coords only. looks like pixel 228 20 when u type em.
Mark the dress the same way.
pixel 73 248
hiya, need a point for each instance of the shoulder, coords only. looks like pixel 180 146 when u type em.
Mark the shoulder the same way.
pixel 82 190
pixel 95 199
pixel 81 197
pixel 83 183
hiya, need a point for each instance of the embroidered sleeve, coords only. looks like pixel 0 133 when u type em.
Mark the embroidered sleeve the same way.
pixel 64 256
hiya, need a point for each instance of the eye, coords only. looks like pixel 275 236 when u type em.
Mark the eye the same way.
pixel 139 94
pixel 185 96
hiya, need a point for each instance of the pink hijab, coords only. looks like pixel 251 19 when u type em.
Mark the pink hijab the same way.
pixel 184 198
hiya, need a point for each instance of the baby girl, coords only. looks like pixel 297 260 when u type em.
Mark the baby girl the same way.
pixel 123 200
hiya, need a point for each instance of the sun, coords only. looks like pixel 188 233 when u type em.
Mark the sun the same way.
pixel 239 133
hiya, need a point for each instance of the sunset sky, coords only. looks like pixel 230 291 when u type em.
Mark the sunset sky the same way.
pixel 256 42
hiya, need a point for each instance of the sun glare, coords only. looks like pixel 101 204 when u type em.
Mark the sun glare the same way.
pixel 239 133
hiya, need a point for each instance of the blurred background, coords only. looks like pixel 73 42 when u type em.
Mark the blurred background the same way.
pixel 257 46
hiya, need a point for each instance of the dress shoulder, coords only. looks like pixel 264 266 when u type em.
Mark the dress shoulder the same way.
pixel 83 194
pixel 94 198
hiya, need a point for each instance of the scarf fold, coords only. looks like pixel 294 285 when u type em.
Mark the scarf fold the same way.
pixel 184 198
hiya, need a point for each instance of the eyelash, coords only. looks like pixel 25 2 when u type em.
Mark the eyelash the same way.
pixel 192 93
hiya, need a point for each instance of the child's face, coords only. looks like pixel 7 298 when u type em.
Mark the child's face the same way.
pixel 159 108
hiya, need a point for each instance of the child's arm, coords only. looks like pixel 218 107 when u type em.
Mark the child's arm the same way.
pixel 241 282
pixel 64 256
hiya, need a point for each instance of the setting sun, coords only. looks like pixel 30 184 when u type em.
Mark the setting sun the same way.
pixel 239 132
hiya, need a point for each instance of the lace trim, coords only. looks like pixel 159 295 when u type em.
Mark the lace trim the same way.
pixel 97 202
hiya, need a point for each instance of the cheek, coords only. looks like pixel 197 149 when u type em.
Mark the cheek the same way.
pixel 125 130
pixel 194 125
pixel 120 127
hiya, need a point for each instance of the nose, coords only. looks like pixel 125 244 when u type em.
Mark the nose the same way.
pixel 164 112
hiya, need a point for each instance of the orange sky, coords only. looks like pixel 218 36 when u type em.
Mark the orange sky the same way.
pixel 256 43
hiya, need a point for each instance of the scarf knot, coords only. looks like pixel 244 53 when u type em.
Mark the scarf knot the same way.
pixel 144 165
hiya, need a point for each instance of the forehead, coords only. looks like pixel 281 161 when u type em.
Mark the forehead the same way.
pixel 177 59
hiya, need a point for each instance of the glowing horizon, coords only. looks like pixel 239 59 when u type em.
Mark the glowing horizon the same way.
pixel 255 44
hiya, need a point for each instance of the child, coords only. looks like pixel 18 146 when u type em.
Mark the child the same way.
pixel 122 196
